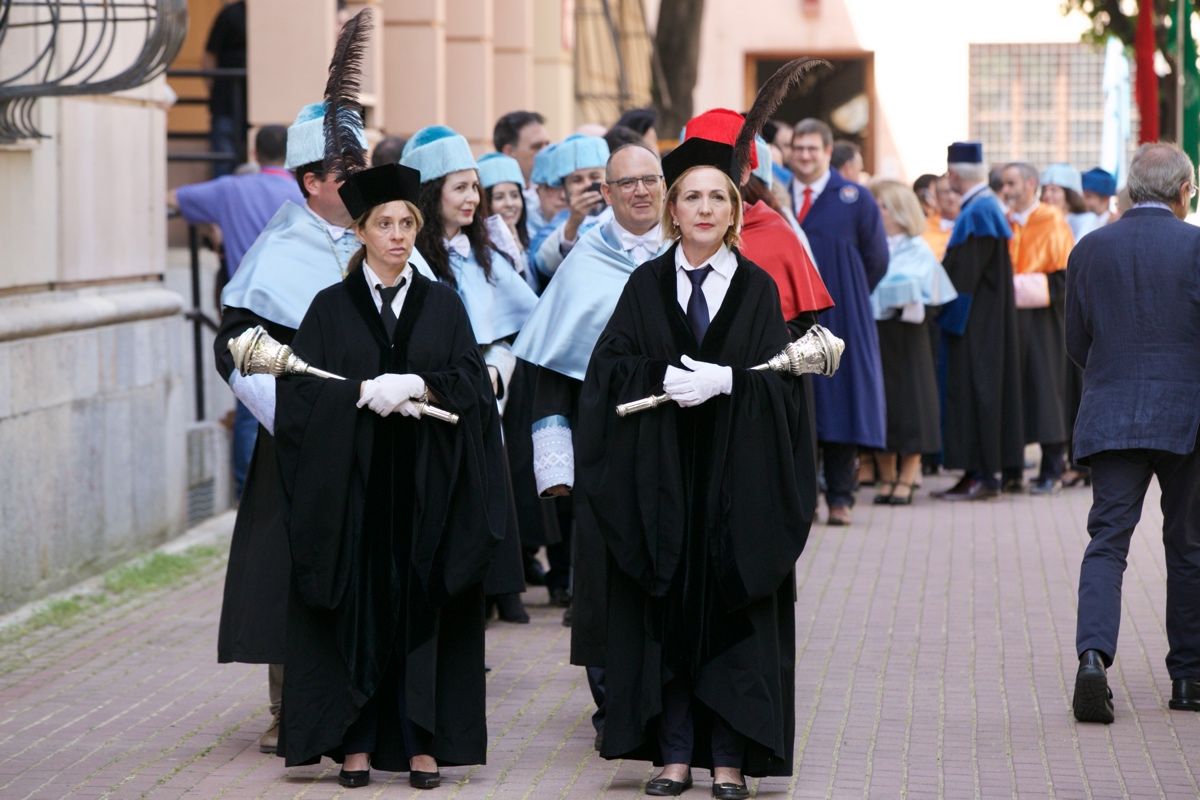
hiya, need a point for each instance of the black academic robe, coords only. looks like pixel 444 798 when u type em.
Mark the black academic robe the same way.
pixel 254 608
pixel 392 523
pixel 983 430
pixel 704 512
pixel 535 517
pixel 1042 337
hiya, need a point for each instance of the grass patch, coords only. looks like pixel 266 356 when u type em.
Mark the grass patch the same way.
pixel 157 571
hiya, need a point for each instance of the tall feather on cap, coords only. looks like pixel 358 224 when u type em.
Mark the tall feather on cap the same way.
pixel 766 102
pixel 344 153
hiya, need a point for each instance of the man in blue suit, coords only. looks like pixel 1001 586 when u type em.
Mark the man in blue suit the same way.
pixel 845 229
pixel 1133 326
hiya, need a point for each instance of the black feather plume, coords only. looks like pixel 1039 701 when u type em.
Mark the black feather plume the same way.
pixel 344 153
pixel 766 102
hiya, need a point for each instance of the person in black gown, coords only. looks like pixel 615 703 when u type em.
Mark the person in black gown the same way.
pixel 704 504
pixel 392 518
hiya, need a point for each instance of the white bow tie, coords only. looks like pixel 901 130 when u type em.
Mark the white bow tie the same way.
pixel 641 247
pixel 459 244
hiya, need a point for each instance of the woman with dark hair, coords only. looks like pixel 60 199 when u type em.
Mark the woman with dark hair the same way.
pixel 504 210
pixel 459 249
pixel 1062 187
pixel 392 519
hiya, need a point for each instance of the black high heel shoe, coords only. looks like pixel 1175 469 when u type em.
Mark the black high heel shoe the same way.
pixel 882 499
pixel 896 500
pixel 424 780
pixel 355 779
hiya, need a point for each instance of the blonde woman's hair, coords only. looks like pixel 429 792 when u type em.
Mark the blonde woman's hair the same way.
pixel 360 255
pixel 732 234
pixel 903 203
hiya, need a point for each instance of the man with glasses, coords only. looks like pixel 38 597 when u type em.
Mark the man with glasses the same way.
pixel 558 338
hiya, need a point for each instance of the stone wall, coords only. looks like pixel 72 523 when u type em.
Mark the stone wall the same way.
pixel 92 421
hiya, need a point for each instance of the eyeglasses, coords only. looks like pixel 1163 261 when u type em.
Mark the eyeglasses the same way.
pixel 1191 191
pixel 628 185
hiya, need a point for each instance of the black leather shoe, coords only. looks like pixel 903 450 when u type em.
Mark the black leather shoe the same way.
pixel 730 791
pixel 1013 486
pixel 560 597
pixel 1046 486
pixel 511 609
pixel 356 779
pixel 1185 694
pixel 969 489
pixel 1093 698
pixel 665 787
pixel 424 780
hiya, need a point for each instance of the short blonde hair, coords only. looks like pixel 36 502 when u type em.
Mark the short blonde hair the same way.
pixel 903 203
pixel 672 233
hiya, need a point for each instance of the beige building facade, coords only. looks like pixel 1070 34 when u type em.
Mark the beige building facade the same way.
pixel 916 59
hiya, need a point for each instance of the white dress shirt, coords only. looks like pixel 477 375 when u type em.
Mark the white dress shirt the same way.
pixel 374 280
pixel 640 248
pixel 1022 217
pixel 335 231
pixel 799 186
pixel 715 285
pixel 459 244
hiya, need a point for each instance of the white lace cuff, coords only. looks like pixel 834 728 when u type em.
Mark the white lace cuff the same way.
pixel 553 454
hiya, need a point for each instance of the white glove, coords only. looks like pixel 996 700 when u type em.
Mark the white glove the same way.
pixel 410 408
pixel 703 382
pixel 384 394
pixel 257 393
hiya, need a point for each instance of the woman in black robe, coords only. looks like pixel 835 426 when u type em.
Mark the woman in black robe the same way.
pixel 704 503
pixel 393 519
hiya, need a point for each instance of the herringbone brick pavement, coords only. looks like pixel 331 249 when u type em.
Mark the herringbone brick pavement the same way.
pixel 935 658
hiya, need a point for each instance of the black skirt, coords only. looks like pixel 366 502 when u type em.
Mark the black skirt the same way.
pixel 910 388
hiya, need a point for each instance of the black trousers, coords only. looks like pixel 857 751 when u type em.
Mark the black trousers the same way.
pixel 841 479
pixel 361 736
pixel 677 730
pixel 1119 482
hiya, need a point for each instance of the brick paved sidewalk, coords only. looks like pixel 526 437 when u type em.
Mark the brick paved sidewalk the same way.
pixel 935 659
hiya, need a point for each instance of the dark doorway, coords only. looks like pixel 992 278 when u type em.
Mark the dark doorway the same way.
pixel 842 96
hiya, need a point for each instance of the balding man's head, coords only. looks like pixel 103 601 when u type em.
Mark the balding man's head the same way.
pixel 636 204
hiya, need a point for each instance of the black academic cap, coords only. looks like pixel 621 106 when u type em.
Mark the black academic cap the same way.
pixel 368 188
pixel 697 152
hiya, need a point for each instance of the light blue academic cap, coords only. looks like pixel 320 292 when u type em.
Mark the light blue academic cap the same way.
pixel 543 166
pixel 763 170
pixel 1063 175
pixel 578 152
pixel 497 168
pixel 437 151
pixel 306 137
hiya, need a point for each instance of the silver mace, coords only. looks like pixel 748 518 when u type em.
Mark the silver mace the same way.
pixel 817 352
pixel 256 352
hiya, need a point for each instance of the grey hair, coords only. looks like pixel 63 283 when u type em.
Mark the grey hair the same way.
pixel 1028 171
pixel 972 173
pixel 1157 171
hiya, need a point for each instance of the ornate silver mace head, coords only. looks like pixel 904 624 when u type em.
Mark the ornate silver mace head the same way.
pixel 256 352
pixel 817 352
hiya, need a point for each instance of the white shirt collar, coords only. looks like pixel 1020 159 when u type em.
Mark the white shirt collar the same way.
pixel 723 262
pixel 651 239
pixel 335 231
pixel 945 224
pixel 375 280
pixel 1022 217
pixel 459 243
pixel 817 186
pixel 1152 204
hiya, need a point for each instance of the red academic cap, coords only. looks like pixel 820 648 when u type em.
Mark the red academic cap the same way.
pixel 718 125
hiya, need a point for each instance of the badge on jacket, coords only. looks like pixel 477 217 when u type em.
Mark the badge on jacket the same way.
pixel 849 194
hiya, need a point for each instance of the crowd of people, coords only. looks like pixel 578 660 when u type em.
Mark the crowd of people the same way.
pixel 532 290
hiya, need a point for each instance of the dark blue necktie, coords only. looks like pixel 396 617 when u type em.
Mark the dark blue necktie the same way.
pixel 697 307
pixel 388 294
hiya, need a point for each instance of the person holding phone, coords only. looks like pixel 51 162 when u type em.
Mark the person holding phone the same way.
pixel 578 166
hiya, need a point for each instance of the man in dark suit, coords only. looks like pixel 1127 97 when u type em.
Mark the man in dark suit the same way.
pixel 1133 325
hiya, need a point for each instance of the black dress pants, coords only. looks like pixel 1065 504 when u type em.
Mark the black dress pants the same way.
pixel 841 479
pixel 677 730
pixel 1119 482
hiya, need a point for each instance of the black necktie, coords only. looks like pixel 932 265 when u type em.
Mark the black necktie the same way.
pixel 389 316
pixel 697 307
